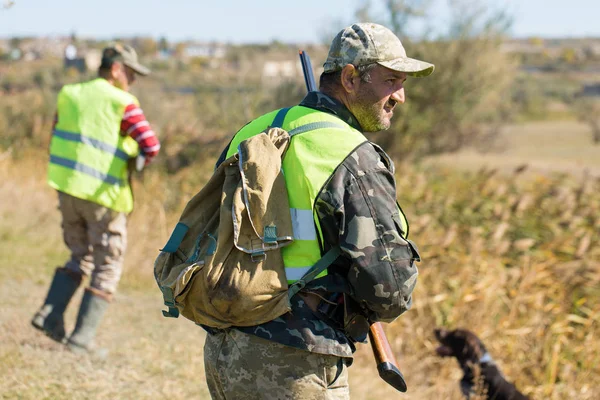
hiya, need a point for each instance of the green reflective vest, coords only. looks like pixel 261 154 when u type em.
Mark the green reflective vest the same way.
pixel 320 143
pixel 88 154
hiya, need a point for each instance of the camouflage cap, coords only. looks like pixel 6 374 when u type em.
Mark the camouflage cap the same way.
pixel 367 43
pixel 125 54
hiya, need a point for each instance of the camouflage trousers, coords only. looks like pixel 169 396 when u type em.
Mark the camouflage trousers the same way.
pixel 97 238
pixel 241 366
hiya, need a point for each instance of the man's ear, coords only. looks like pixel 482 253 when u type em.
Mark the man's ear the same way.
pixel 350 78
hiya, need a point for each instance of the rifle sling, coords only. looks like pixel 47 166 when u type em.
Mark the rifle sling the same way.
pixel 316 269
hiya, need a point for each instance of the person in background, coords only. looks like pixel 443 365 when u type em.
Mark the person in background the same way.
pixel 99 131
pixel 342 193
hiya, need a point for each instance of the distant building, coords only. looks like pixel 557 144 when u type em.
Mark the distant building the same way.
pixel 88 62
pixel 207 50
pixel 273 72
pixel 280 69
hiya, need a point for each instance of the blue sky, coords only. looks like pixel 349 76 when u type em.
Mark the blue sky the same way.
pixel 260 21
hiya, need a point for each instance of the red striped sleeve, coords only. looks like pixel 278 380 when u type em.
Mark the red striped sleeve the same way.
pixel 135 125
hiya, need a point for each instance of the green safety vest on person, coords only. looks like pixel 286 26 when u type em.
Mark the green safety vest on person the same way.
pixel 249 240
pixel 320 143
pixel 88 153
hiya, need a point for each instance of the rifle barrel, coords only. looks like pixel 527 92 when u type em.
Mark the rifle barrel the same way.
pixel 309 78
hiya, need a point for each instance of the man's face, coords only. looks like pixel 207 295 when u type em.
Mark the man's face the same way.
pixel 373 102
pixel 123 76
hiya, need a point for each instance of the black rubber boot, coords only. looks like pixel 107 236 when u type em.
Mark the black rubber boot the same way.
pixel 92 309
pixel 49 318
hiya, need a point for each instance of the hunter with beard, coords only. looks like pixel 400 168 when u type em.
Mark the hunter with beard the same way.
pixel 342 193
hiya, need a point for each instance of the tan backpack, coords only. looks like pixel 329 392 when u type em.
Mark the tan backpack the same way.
pixel 222 265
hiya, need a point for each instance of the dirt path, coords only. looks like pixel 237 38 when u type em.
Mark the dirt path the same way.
pixel 147 358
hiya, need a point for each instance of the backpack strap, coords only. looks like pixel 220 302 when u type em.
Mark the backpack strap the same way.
pixel 171 247
pixel 316 269
pixel 316 125
pixel 277 123
pixel 176 238
pixel 279 117
pixel 173 311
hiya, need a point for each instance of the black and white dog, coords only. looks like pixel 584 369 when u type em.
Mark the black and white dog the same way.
pixel 475 362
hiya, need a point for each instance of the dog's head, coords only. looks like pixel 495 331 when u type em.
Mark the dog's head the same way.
pixel 460 343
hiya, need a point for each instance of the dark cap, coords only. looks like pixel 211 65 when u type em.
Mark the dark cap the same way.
pixel 125 54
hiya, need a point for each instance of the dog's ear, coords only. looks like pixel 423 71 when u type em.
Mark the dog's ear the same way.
pixel 476 345
pixel 471 348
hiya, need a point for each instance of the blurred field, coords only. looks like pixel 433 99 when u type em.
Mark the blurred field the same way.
pixel 547 147
pixel 514 258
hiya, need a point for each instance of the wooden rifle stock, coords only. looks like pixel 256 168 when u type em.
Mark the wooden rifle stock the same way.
pixel 386 362
pixel 385 359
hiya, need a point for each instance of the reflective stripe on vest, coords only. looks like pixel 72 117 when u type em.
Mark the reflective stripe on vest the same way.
pixel 74 165
pixel 107 148
pixel 320 143
pixel 88 154
pixel 303 224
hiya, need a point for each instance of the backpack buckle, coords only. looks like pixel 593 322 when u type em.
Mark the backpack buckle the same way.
pixel 270 238
pixel 270 245
pixel 258 256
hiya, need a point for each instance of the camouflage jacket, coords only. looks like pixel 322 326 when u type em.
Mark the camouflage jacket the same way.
pixel 375 275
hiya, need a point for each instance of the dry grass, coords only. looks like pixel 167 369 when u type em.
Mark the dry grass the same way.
pixel 515 259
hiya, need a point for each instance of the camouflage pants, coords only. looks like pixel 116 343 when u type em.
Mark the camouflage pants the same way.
pixel 240 366
pixel 97 238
